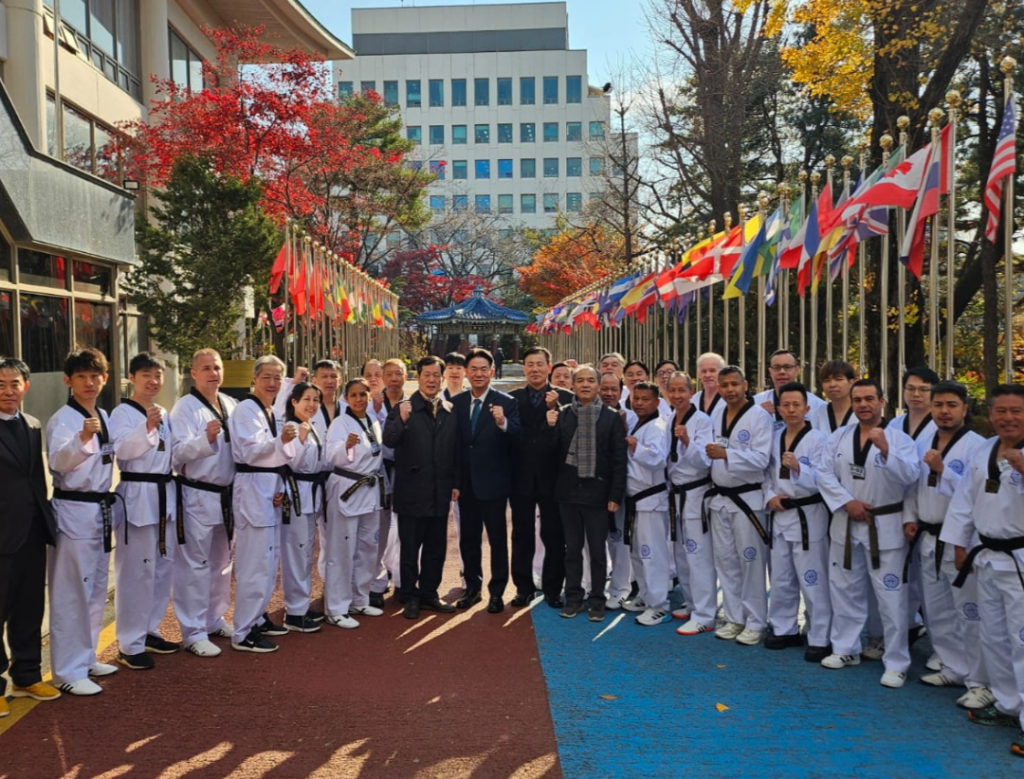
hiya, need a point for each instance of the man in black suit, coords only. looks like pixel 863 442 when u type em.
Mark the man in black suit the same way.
pixel 488 429
pixel 533 486
pixel 26 527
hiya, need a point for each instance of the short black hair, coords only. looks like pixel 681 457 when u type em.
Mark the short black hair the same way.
pixel 1002 390
pixel 558 365
pixel 834 368
pixel 455 358
pixel 868 382
pixel 790 352
pixel 14 364
pixel 86 360
pixel 430 359
pixel 662 363
pixel 326 365
pixel 631 363
pixel 950 387
pixel 793 386
pixel 145 361
pixel 728 370
pixel 650 386
pixel 472 354
pixel 923 373
pixel 537 350
pixel 298 390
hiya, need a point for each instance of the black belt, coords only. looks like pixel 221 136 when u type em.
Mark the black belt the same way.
pixel 161 480
pixel 932 528
pixel 105 500
pixel 676 511
pixel 631 501
pixel 799 504
pixel 289 480
pixel 226 491
pixel 319 482
pixel 876 558
pixel 364 480
pixel 734 494
pixel 1004 545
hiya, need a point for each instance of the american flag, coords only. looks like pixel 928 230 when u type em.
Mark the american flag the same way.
pixel 1003 165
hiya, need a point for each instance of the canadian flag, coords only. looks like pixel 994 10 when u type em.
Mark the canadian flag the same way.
pixel 898 187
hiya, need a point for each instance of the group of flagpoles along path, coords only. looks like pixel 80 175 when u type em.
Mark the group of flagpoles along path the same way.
pixel 668 299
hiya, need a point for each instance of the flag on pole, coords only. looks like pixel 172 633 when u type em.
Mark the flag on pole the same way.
pixel 792 239
pixel 927 204
pixel 1004 164
pixel 900 185
pixel 812 237
pixel 279 268
pixel 756 258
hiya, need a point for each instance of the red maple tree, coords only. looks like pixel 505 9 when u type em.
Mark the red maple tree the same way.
pixel 419 276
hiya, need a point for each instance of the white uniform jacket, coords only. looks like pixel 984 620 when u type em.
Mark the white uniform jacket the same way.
pixel 645 467
pixel 813 401
pixel 808 450
pixel 688 464
pixel 139 450
pixel 823 419
pixel 78 467
pixel 364 458
pixel 255 441
pixel 196 458
pixel 748 443
pixel 311 459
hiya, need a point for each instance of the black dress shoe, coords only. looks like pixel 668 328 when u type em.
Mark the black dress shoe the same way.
pixel 495 605
pixel 436 604
pixel 781 642
pixel 815 654
pixel 521 600
pixel 556 602
pixel 377 600
pixel 412 609
pixel 471 598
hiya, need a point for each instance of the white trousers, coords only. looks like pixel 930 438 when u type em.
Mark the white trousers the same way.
pixel 202 580
pixel 1001 603
pixel 651 558
pixel 849 591
pixel 142 584
pixel 297 539
pixel 78 574
pixel 365 558
pixel 695 554
pixel 257 552
pixel 740 562
pixel 345 536
pixel 795 573
pixel 388 551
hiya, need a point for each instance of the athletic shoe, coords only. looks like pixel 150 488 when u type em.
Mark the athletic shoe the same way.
pixel 570 610
pixel 595 612
pixel 342 621
pixel 370 611
pixel 224 631
pixel 257 642
pixel 693 628
pixel 652 617
pixel 140 662
pixel 940 680
pixel 102 669
pixel 784 641
pixel 316 616
pixel 683 612
pixel 893 679
pixel 160 646
pixel 82 687
pixel 815 654
pixel 203 648
pixel 40 691
pixel 614 604
pixel 303 624
pixel 873 649
pixel 976 698
pixel 635 605
pixel 270 628
pixel 836 662
pixel 990 715
pixel 934 663
pixel 377 600
pixel 750 637
pixel 729 631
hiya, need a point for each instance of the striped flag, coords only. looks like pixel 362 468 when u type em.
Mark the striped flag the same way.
pixel 1004 164
pixel 927 204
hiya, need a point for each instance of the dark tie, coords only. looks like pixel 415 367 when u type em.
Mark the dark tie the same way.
pixel 475 415
pixel 536 398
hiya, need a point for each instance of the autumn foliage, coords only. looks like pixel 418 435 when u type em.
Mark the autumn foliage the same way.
pixel 420 278
pixel 573 258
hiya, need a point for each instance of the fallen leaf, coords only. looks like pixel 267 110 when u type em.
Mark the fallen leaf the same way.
pixel 721 707
pixel 719 666
pixel 609 697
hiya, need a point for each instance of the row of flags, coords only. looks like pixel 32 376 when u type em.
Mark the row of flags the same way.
pixel 821 241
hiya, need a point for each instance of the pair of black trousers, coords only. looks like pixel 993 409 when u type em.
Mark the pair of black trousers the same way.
pixel 22 598
pixel 524 544
pixel 587 524
pixel 424 544
pixel 474 516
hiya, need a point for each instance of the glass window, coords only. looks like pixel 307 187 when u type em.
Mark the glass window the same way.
pixel 504 169
pixel 574 166
pixel 45 333
pixel 551 167
pixel 527 90
pixel 77 139
pixel 483 169
pixel 573 201
pixel 458 134
pixel 437 134
pixel 437 203
pixel 412 93
pixel 187 65
pixel 597 166
pixel 596 131
pixel 550 90
pixel 96 279
pixel 41 269
pixel 573 89
pixel 481 91
pixel 344 87
pixel 6 271
pixel 482 133
pixel 483 204
pixel 437 168
pixel 367 86
pixel 527 168
pixel 574 131
pixel 390 93
pixel 436 87
pixel 458 91
pixel 127 34
pixel 550 132
pixel 504 91
pixel 93 325
pixel 414 133
pixel 505 233
pixel 550 202
pixel 74 12
pixel 101 24
pixel 528 204
pixel 6 323
pixel 460 169
pixel 505 133
pixel 460 202
pixel 504 204
pixel 527 132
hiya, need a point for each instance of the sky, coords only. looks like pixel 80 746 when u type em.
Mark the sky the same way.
pixel 612 31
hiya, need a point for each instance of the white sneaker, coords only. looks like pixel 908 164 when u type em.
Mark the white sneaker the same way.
pixel 81 687
pixel 835 661
pixel 344 621
pixel 683 612
pixel 614 604
pixel 729 631
pixel 224 631
pixel 893 679
pixel 874 648
pixel 976 698
pixel 204 648
pixel 693 628
pixel 750 637
pixel 940 680
pixel 102 669
pixel 368 611
pixel 652 617
pixel 634 605
pixel 934 663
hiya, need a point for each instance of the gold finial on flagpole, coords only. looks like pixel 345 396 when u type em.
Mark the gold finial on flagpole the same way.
pixel 953 99
pixel 885 142
pixel 815 179
pixel 727 218
pixel 935 116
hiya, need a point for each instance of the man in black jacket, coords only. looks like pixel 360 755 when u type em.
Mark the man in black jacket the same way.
pixel 424 435
pixel 590 443
pixel 533 485
pixel 26 527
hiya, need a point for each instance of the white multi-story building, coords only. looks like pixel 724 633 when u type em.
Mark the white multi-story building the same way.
pixel 498 102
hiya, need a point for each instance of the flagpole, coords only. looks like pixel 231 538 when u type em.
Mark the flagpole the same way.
pixel 711 304
pixel 883 308
pixel 741 317
pixel 1008 65
pixel 902 123
pixel 934 118
pixel 953 100
pixel 862 347
pixel 762 324
pixel 782 279
pixel 813 364
pixel 673 260
pixel 830 162
pixel 847 162
pixel 800 298
pixel 725 303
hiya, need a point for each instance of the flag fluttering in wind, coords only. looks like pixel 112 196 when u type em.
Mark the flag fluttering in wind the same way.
pixel 1004 164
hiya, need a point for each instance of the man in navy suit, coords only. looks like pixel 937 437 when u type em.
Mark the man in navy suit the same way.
pixel 488 430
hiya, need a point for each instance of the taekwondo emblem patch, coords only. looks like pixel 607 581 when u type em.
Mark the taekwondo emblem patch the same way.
pixel 645 552
pixel 691 545
pixel 971 612
pixel 891 581
pixel 805 460
pixel 749 554
pixel 615 535
pixel 743 436
pixel 878 459
pixel 957 466
pixel 810 577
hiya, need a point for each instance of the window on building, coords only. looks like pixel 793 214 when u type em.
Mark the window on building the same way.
pixel 91 278
pixel 391 93
pixel 505 204
pixel 413 98
pixel 505 133
pixel 527 168
pixel 6 321
pixel 504 91
pixel 550 132
pixel 458 91
pixel 45 333
pixel 344 88
pixel 460 202
pixel 483 204
pixel 187 65
pixel 597 166
pixel 42 270
pixel 367 86
pixel 527 90
pixel 458 134
pixel 550 90
pixel 504 169
pixel 551 167
pixel 574 167
pixel 481 91
pixel 6 272
pixel 437 203
pixel 88 145
pixel 105 33
pixel 436 87
pixel 596 131
pixel 527 132
pixel 460 169
pixel 438 168
pixel 414 133
pixel 436 134
pixel 573 89
pixel 527 204
pixel 550 202
pixel 483 169
pixel 482 133
pixel 573 202
pixel 574 131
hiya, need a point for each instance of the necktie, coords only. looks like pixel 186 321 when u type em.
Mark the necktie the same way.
pixel 475 415
pixel 536 398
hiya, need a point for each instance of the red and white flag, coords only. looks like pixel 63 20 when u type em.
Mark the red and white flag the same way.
pixel 1004 164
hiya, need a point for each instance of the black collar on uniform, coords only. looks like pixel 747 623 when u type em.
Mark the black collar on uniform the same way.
pixel 104 435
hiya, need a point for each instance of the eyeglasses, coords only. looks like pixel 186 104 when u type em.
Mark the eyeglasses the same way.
pixel 917 389
pixel 777 368
pixel 664 374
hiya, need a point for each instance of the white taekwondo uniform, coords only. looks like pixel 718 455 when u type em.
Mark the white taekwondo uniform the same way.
pixel 698 401
pixel 824 421
pixel 645 473
pixel 298 536
pixel 769 395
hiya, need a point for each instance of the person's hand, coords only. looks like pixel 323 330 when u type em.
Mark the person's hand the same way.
pixel 631 442
pixel 213 430
pixel 90 427
pixel 572 364
pixel 304 429
pixel 959 557
pixel 858 510
pixel 682 434
pixel 877 437
pixel 769 407
pixel 455 496
pixel 377 396
pixel 552 417
pixel 278 500
pixel 352 440
pixel 910 530
pixel 933 459
pixel 775 504
pixel 404 409
pixel 789 460
pixel 301 374
pixel 716 452
pixel 154 416
pixel 613 506
pixel 1016 459
pixel 551 399
pixel 498 412
pixel 290 432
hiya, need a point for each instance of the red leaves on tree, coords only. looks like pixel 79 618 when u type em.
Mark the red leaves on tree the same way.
pixel 423 282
